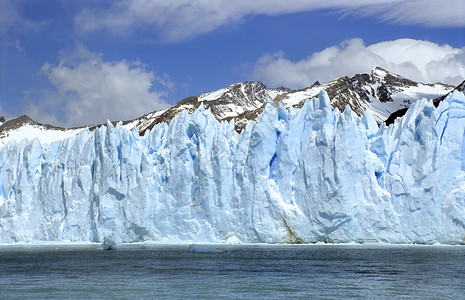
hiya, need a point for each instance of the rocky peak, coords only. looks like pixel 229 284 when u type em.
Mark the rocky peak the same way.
pixel 401 112
pixel 392 81
pixel 378 74
pixel 25 120
pixel 16 123
pixel 242 93
pixel 225 104
pixel 380 91
pixel 360 79
pixel 383 93
pixel 343 92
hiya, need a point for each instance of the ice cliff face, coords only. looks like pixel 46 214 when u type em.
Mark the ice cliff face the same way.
pixel 303 175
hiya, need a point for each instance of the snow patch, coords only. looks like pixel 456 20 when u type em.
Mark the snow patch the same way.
pixel 213 95
pixel 43 135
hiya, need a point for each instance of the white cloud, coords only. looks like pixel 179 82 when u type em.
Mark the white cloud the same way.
pixel 181 19
pixel 11 20
pixel 90 90
pixel 418 60
pixel 431 13
pixel 17 45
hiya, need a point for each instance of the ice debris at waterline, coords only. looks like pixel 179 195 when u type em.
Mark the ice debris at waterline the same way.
pixel 108 243
pixel 304 175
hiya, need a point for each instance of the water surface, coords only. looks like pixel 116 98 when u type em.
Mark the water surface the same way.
pixel 239 272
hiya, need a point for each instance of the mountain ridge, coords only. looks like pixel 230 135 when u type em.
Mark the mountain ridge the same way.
pixel 382 92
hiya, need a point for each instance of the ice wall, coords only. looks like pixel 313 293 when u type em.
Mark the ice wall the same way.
pixel 305 175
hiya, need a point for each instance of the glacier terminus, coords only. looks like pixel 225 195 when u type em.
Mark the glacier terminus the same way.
pixel 297 175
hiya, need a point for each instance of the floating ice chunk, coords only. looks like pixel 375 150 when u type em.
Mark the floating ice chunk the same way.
pixel 108 243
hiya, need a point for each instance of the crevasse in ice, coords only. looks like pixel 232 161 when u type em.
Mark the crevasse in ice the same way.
pixel 303 175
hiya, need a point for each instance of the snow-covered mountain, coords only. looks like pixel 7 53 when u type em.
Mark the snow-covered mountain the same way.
pixel 300 175
pixel 436 101
pixel 241 101
pixel 25 128
pixel 380 91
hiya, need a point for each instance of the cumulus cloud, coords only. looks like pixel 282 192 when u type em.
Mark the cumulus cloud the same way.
pixel 89 90
pixel 181 19
pixel 415 59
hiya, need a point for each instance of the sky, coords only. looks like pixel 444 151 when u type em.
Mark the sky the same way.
pixel 73 63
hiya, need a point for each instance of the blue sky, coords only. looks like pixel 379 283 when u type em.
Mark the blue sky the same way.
pixel 70 63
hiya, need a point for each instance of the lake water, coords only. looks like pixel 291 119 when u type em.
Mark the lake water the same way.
pixel 232 272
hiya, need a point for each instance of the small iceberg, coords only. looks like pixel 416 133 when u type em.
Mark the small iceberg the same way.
pixel 108 243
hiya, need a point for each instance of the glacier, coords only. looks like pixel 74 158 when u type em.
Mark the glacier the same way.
pixel 294 176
